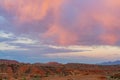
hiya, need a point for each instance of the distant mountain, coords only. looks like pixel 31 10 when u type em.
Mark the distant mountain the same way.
pixel 54 64
pixel 111 63
pixel 5 61
pixel 48 64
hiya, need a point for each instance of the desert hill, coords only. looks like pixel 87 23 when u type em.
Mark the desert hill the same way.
pixel 14 70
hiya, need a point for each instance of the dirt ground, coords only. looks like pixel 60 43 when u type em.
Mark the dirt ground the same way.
pixel 77 77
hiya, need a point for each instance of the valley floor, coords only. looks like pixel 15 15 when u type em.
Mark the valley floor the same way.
pixel 78 77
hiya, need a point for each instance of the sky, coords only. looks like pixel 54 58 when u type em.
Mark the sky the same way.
pixel 65 31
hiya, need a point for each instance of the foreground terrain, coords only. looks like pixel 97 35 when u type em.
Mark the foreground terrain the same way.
pixel 13 70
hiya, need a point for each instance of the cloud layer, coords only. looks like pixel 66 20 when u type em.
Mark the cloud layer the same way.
pixel 67 22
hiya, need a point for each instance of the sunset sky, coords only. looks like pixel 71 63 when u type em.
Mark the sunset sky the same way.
pixel 84 31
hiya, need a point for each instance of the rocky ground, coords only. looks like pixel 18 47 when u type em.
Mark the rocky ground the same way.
pixel 13 70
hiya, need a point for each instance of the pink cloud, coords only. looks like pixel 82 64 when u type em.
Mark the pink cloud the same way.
pixel 63 36
pixel 92 22
pixel 30 10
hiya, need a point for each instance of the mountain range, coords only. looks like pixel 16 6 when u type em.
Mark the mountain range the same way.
pixel 117 62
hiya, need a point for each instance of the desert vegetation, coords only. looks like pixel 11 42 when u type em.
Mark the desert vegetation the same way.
pixel 115 76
